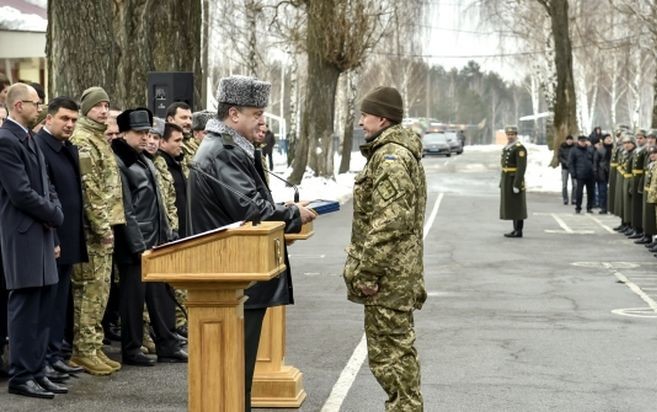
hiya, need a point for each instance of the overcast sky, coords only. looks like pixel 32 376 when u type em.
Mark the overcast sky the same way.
pixel 456 36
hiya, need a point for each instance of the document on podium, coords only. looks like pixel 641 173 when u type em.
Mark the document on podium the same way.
pixel 198 235
pixel 321 206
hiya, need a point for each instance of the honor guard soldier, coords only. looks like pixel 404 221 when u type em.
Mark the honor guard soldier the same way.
pixel 513 205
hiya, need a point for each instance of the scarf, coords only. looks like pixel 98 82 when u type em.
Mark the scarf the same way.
pixel 218 127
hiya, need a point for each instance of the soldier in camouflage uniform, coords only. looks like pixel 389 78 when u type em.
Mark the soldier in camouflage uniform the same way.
pixel 650 191
pixel 384 267
pixel 513 205
pixel 103 207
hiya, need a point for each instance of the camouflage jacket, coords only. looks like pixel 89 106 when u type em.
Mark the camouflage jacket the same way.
pixel 190 146
pixel 386 246
pixel 101 181
pixel 167 189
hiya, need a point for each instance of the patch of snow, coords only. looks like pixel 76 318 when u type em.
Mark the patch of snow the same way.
pixel 13 19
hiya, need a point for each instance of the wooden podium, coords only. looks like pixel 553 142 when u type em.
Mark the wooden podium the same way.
pixel 215 267
pixel 275 384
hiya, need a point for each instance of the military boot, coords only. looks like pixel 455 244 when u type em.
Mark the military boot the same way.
pixel 91 364
pixel 109 362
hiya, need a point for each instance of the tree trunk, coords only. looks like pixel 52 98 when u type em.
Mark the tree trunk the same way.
pixel 350 117
pixel 80 48
pixel 565 116
pixel 205 36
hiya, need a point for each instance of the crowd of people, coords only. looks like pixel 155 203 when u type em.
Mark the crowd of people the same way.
pixel 618 172
pixel 85 188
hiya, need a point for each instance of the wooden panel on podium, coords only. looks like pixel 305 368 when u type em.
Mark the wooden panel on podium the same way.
pixel 275 384
pixel 215 268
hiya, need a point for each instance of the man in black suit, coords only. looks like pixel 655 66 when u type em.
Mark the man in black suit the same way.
pixel 29 212
pixel 63 165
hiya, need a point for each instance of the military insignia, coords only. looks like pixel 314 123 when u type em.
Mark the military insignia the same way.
pixel 390 157
pixel 85 163
pixel 521 153
pixel 386 189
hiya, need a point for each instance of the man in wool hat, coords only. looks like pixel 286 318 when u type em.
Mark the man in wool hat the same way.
pixel 103 208
pixel 384 270
pixel 227 154
pixel 146 226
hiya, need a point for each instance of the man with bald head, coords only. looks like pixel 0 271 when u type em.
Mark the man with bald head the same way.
pixel 29 214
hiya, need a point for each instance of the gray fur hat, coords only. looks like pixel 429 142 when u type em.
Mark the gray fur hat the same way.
pixel 244 91
pixel 158 126
pixel 200 119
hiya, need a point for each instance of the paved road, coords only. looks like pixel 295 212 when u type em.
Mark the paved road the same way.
pixel 532 324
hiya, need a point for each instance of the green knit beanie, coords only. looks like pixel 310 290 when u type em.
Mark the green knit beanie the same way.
pixel 384 102
pixel 91 97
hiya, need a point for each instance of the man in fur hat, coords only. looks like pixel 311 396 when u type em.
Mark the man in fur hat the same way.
pixel 227 154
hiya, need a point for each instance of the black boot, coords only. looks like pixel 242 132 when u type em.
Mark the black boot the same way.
pixel 620 227
pixel 651 245
pixel 644 240
pixel 637 235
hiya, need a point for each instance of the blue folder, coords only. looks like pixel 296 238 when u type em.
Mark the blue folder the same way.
pixel 322 207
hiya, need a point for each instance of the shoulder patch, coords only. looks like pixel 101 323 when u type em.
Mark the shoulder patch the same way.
pixel 85 163
pixel 386 189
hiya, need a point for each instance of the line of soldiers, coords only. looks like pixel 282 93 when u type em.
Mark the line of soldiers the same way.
pixel 633 185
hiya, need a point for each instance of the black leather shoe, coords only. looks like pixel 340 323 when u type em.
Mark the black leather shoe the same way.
pixel 602 212
pixel 111 333
pixel 62 367
pixel 32 389
pixel 620 228
pixel 54 375
pixel 589 210
pixel 179 356
pixel 138 359
pixel 181 339
pixel 49 386
pixel 515 233
pixel 644 240
pixel 636 235
pixel 629 232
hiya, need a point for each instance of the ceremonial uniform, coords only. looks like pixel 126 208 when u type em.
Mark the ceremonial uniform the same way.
pixel 613 170
pixel 638 163
pixel 513 204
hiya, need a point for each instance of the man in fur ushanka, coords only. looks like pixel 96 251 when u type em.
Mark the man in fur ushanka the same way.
pixel 227 154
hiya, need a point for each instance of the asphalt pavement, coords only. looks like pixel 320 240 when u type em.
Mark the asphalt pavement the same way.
pixel 562 319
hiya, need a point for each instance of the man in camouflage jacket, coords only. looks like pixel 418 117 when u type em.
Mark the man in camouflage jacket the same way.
pixel 384 268
pixel 103 209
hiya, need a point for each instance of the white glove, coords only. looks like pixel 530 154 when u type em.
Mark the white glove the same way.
pixel 516 190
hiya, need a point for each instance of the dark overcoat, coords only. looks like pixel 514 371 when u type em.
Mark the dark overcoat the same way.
pixel 243 196
pixel 63 165
pixel 513 206
pixel 29 212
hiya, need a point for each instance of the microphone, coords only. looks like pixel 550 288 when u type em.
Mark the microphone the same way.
pixel 296 189
pixel 255 219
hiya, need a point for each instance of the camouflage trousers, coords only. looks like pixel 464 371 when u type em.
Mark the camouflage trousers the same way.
pixel 90 283
pixel 392 357
pixel 181 298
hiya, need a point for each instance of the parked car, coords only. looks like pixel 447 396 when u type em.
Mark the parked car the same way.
pixel 436 144
pixel 455 144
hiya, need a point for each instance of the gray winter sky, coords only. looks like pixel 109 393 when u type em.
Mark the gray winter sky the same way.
pixel 456 35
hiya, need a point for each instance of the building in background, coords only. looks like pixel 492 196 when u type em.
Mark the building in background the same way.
pixel 23 40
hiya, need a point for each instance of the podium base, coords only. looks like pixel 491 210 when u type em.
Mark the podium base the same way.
pixel 280 389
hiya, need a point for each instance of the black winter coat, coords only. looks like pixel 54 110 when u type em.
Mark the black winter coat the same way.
pixel 63 165
pixel 581 163
pixel 146 225
pixel 601 160
pixel 29 210
pixel 212 205
pixel 564 154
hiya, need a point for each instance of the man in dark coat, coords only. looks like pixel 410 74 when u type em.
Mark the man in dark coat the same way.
pixel 268 147
pixel 581 168
pixel 595 136
pixel 513 205
pixel 564 154
pixel 601 169
pixel 29 212
pixel 63 166
pixel 146 226
pixel 227 155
